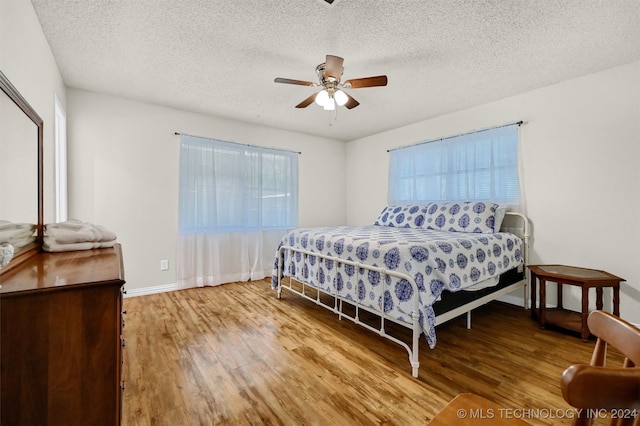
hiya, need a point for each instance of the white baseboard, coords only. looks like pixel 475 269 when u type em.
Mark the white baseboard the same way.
pixel 150 290
pixel 511 299
pixel 516 300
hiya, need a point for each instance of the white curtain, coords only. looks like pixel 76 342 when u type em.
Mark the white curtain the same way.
pixel 235 203
pixel 479 166
pixel 209 259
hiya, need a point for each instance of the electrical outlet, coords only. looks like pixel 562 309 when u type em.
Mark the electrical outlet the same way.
pixel 164 265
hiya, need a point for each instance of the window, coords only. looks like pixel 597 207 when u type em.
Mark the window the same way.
pixel 478 166
pixel 228 187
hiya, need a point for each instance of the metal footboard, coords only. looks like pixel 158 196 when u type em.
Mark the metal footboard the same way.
pixel 412 350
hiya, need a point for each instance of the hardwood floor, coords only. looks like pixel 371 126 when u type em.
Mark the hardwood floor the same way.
pixel 235 354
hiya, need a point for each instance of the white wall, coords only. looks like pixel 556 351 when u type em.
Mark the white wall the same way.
pixel 581 160
pixel 26 60
pixel 123 174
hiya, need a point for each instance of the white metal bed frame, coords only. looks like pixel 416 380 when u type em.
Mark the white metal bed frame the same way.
pixel 414 325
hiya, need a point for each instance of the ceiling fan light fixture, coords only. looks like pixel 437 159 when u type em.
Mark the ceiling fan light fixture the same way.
pixel 329 80
pixel 340 97
pixel 330 104
pixel 322 98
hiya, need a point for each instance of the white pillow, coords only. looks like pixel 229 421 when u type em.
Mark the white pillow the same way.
pixel 409 216
pixel 469 216
pixel 500 212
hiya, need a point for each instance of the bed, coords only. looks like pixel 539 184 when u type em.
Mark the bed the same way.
pixel 418 266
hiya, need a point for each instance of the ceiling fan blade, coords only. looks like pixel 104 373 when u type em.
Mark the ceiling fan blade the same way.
pixel 307 101
pixel 290 81
pixel 379 80
pixel 333 67
pixel 351 103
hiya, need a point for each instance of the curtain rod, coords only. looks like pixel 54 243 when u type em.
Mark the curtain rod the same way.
pixel 518 123
pixel 244 144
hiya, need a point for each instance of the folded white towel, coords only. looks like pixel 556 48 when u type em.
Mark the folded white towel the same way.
pixel 107 235
pixel 5 225
pixel 22 242
pixel 85 234
pixel 15 234
pixel 52 246
pixel 74 224
pixel 72 232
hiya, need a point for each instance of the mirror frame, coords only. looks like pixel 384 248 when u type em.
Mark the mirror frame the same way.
pixel 28 110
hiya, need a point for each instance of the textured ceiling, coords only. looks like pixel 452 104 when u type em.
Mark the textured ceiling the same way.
pixel 220 57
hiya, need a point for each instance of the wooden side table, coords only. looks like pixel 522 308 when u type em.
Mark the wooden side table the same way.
pixel 582 277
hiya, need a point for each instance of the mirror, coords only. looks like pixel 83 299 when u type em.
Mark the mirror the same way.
pixel 21 207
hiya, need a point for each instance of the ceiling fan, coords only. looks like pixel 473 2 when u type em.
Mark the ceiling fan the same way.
pixel 329 75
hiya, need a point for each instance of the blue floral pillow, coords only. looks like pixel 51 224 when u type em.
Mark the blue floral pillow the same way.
pixel 472 216
pixel 411 216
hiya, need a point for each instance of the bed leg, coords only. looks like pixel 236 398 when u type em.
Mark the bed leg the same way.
pixel 414 369
pixel 414 357
pixel 468 320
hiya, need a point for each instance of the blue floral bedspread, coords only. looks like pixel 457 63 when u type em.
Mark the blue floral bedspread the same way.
pixel 437 260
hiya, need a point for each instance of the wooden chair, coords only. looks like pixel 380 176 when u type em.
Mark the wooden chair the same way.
pixel 595 388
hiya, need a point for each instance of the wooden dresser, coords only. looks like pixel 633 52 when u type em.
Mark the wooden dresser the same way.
pixel 61 339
